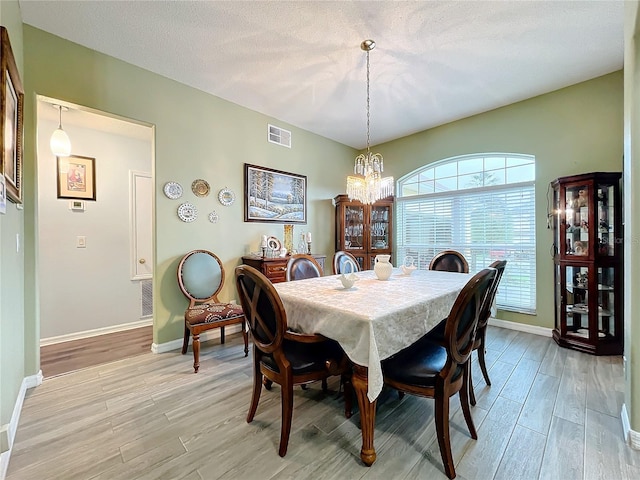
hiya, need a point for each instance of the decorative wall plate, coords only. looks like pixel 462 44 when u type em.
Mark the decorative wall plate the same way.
pixel 200 188
pixel 226 197
pixel 187 212
pixel 172 190
pixel 213 217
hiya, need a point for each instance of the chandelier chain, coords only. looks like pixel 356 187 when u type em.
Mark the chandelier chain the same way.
pixel 368 104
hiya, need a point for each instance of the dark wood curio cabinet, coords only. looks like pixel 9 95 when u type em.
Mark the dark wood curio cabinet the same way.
pixel 364 230
pixel 588 249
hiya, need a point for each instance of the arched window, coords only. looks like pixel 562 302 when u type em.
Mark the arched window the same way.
pixel 482 205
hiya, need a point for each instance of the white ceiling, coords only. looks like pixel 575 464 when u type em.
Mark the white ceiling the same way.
pixel 300 61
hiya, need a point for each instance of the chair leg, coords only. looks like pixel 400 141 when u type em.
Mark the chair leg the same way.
pixel 221 334
pixel 472 393
pixel 257 388
pixel 442 433
pixel 481 360
pixel 464 394
pixel 286 392
pixel 245 335
pixel 196 353
pixel 325 386
pixel 185 342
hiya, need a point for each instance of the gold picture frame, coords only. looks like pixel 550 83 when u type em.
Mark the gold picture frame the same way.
pixel 274 196
pixel 11 119
pixel 76 177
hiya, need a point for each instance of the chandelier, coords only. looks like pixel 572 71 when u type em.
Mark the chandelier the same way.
pixel 367 184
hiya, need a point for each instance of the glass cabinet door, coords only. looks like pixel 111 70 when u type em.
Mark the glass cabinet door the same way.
pixel 606 220
pixel 354 227
pixel 606 295
pixel 577 301
pixel 379 227
pixel 576 242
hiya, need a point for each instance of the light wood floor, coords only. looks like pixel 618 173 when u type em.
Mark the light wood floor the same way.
pixel 69 356
pixel 551 413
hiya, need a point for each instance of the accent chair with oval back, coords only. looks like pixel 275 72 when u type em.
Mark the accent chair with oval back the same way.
pixel 201 277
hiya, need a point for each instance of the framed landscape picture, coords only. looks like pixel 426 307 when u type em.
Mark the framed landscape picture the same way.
pixel 274 196
pixel 76 177
pixel 11 119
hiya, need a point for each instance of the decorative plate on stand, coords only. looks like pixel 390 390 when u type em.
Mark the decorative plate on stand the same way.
pixel 226 197
pixel 172 190
pixel 274 244
pixel 200 188
pixel 187 212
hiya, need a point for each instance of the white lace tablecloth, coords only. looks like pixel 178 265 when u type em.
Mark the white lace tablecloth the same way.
pixel 375 318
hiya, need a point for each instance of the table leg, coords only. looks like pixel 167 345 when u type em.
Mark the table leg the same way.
pixel 367 413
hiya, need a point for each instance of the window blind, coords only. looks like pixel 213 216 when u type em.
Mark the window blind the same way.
pixel 484 224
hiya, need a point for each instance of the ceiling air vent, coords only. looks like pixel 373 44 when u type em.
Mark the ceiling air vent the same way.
pixel 279 135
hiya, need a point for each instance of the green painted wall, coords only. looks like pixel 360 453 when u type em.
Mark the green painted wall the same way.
pixel 573 130
pixel 197 136
pixel 12 316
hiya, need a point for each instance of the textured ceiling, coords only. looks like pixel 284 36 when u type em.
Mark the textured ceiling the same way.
pixel 301 62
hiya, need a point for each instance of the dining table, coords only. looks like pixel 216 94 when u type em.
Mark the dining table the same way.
pixel 372 320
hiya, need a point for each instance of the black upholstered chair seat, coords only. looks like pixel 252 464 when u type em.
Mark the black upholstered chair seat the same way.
pixel 306 357
pixel 418 364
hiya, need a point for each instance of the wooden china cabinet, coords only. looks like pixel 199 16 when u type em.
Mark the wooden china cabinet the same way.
pixel 364 230
pixel 588 248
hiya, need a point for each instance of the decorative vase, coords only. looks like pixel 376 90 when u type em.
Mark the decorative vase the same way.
pixel 302 246
pixel 383 267
pixel 288 237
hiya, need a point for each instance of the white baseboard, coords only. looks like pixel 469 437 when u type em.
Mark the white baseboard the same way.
pixel 208 335
pixel 521 327
pixel 8 432
pixel 630 436
pixel 94 333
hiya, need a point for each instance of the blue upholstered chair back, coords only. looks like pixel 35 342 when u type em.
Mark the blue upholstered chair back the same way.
pixel 202 275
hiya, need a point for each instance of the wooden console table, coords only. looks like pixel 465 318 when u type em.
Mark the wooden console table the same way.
pixel 275 268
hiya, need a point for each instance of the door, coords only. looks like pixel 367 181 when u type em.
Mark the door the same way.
pixel 141 225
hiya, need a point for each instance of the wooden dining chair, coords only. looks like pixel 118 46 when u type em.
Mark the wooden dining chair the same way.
pixel 437 333
pixel 449 261
pixel 282 356
pixel 344 262
pixel 429 369
pixel 201 277
pixel 301 266
pixel 483 321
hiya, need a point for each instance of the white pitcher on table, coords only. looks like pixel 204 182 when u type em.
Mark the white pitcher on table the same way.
pixel 382 267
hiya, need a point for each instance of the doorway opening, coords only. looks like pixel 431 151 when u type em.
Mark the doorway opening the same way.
pixel 95 237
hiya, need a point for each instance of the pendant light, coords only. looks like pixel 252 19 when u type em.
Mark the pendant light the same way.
pixel 60 143
pixel 367 184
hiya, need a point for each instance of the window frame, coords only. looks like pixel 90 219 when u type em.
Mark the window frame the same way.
pixel 523 250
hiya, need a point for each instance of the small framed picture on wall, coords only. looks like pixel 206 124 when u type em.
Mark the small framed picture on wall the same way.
pixel 76 177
